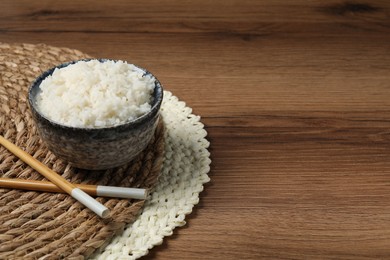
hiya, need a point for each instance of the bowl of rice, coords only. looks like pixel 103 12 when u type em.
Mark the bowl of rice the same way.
pixel 96 113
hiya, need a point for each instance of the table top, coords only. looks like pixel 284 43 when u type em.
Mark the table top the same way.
pixel 295 98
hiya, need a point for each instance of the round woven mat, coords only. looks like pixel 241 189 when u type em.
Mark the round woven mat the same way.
pixel 184 170
pixel 49 225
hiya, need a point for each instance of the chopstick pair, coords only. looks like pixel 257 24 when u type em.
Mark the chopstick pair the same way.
pixel 93 190
pixel 61 184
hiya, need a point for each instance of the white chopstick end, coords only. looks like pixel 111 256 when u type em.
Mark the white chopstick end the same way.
pixel 121 192
pixel 90 203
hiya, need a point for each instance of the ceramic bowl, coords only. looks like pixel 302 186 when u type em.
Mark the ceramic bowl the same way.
pixel 96 148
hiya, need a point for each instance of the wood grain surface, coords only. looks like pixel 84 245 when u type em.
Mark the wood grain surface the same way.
pixel 295 96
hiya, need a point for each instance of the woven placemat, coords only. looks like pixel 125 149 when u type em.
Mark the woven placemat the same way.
pixel 186 163
pixel 185 170
pixel 37 225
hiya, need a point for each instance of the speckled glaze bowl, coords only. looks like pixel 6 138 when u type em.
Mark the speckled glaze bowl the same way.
pixel 96 148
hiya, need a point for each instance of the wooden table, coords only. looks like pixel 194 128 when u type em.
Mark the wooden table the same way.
pixel 295 97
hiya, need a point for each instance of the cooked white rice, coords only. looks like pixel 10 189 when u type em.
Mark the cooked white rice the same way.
pixel 96 94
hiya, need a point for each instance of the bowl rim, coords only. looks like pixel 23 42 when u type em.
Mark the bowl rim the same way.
pixel 139 120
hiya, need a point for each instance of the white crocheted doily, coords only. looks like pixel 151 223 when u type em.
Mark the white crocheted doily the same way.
pixel 184 171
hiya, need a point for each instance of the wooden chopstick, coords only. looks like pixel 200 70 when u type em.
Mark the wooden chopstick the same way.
pixel 93 190
pixel 58 180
